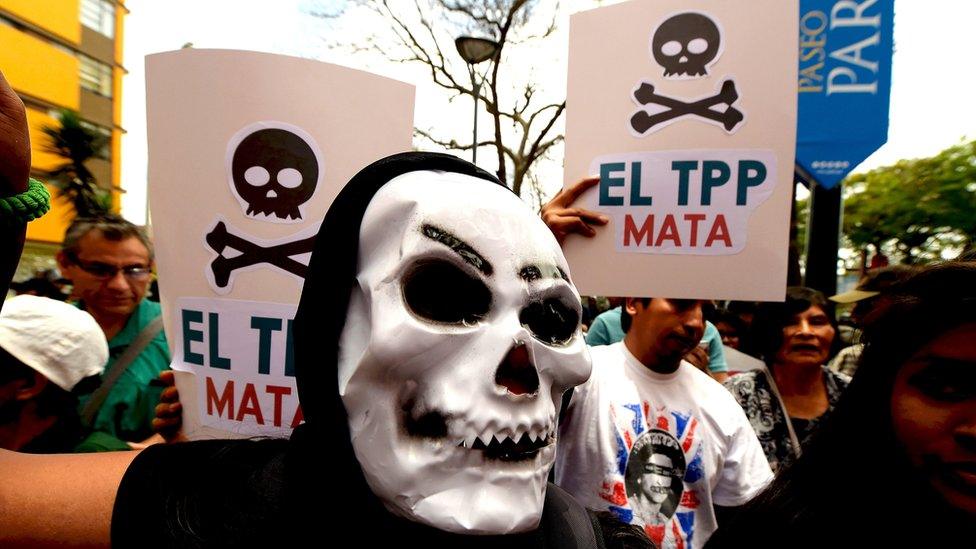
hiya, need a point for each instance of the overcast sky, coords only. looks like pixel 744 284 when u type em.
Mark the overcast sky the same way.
pixel 932 92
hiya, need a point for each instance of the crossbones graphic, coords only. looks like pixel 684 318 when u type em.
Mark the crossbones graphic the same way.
pixel 729 118
pixel 280 255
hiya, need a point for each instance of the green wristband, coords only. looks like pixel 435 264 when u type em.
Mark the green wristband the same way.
pixel 26 206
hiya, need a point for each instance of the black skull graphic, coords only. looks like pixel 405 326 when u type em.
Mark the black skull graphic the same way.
pixel 685 44
pixel 275 171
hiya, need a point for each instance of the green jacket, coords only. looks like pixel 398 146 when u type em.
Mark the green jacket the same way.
pixel 130 406
pixel 100 442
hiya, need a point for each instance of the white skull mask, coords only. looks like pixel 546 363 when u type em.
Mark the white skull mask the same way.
pixel 459 342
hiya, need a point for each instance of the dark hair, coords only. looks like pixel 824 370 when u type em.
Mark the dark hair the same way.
pixel 113 227
pixel 39 286
pixel 52 401
pixel 620 535
pixel 804 498
pixel 742 307
pixel 680 304
pixel 879 280
pixel 771 318
pixel 625 320
pixel 719 315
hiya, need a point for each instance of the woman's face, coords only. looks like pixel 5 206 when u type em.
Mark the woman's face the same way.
pixel 933 413
pixel 806 338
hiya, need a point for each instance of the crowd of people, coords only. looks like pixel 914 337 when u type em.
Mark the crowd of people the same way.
pixel 108 262
pixel 676 423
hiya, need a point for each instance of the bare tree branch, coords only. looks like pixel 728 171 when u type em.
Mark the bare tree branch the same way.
pixel 452 144
pixel 419 33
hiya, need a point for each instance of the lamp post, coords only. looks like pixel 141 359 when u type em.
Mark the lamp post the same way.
pixel 474 51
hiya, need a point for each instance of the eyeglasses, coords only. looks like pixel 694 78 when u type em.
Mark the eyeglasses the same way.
pixel 104 271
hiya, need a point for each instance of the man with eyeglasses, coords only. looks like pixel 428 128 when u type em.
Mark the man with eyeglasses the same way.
pixel 109 261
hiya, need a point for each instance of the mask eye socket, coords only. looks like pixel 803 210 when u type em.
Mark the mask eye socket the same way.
pixel 550 320
pixel 439 291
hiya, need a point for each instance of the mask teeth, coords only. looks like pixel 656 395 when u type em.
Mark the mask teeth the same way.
pixel 463 436
pixel 486 436
pixel 538 431
pixel 505 433
pixel 519 434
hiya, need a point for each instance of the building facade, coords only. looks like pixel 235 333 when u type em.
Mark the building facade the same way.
pixel 61 54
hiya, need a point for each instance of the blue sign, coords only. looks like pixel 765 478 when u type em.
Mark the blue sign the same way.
pixel 844 84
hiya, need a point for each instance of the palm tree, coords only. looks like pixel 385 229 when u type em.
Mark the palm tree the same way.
pixel 75 143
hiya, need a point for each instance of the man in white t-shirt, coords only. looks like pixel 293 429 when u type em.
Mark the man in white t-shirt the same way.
pixel 655 440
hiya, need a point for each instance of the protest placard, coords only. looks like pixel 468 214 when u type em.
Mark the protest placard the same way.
pixel 246 153
pixel 687 113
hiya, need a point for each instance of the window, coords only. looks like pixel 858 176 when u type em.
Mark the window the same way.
pixel 99 15
pixel 95 76
pixel 105 151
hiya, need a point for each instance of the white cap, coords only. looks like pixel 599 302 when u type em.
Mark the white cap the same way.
pixel 60 341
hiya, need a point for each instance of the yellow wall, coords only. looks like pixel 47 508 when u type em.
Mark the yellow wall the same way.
pixel 116 133
pixel 60 17
pixel 118 72
pixel 120 13
pixel 37 68
pixel 51 227
pixel 41 160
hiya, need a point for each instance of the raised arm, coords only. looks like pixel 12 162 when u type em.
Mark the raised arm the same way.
pixel 59 500
pixel 564 219
pixel 14 169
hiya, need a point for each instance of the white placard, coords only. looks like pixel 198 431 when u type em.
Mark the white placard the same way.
pixel 246 153
pixel 687 113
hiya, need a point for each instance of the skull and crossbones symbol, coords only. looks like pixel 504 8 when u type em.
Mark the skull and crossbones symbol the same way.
pixel 685 46
pixel 729 118
pixel 280 255
pixel 274 170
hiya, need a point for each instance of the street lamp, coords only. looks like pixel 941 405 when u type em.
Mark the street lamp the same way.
pixel 474 51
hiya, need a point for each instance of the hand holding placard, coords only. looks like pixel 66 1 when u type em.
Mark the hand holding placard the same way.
pixel 563 219
pixel 168 422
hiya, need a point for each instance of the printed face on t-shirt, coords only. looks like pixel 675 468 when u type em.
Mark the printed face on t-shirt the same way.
pixel 657 478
